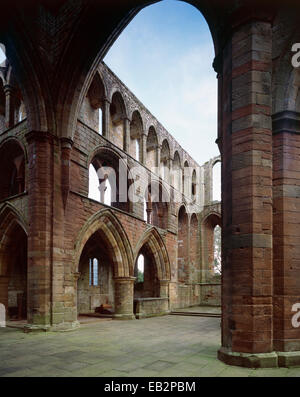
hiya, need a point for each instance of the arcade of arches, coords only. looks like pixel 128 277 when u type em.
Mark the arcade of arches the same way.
pixel 62 109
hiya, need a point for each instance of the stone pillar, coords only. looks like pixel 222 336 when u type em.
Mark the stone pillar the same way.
pixel 102 189
pixel 105 118
pixel 126 124
pixel 207 184
pixel 171 176
pixel 286 235
pixel 158 151
pixel 20 178
pixel 9 106
pixel 124 291
pixel 247 196
pixel 40 234
pixel 164 288
pixel 143 149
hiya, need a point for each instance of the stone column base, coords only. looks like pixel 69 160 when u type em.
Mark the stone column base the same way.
pixel 260 360
pixel 68 326
pixel 250 360
pixel 123 317
pixel 288 359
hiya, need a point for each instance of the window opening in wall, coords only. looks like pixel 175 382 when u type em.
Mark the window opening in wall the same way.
pixel 140 268
pixel 217 181
pixel 94 272
pixel 217 250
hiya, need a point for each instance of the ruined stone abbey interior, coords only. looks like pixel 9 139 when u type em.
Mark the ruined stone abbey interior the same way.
pixel 72 135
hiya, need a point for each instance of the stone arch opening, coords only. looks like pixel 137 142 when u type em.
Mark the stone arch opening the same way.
pixel 157 200
pixel 216 177
pixel 194 249
pixel 13 266
pixel 146 283
pixel 95 285
pixel 93 105
pixel 182 246
pixel 103 238
pixel 151 149
pixel 2 106
pixel 12 165
pixel 165 161
pixel 136 131
pixel 2 54
pixel 186 179
pixel 194 189
pixel 177 171
pixel 117 113
pixel 109 179
pixel 210 270
pixel 151 287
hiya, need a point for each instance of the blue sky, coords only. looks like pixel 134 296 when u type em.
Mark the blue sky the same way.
pixel 165 57
pixel 2 56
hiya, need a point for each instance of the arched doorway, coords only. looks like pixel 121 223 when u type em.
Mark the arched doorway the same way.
pixel 104 267
pixel 211 248
pixel 13 268
pixel 12 165
pixel 95 285
pixel 182 246
pixel 152 276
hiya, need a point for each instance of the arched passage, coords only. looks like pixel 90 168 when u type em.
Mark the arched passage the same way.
pixel 13 264
pixel 157 200
pixel 2 107
pixel 152 272
pixel 117 113
pixel 103 256
pixel 182 246
pixel 216 178
pixel 95 285
pixel 194 249
pixel 109 179
pixel 12 165
pixel 209 225
pixel 177 172
pixel 136 131
pixel 151 149
pixel 165 161
pixel 93 105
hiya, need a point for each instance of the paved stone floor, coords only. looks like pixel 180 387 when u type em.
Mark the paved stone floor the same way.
pixel 162 346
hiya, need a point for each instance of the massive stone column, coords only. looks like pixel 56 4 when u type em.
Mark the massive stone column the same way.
pixel 40 236
pixel 247 196
pixel 286 235
pixel 124 288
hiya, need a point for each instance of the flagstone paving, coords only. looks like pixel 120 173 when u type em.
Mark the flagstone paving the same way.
pixel 162 346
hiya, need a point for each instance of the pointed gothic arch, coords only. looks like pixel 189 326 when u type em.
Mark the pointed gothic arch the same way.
pixel 113 233
pixel 153 241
